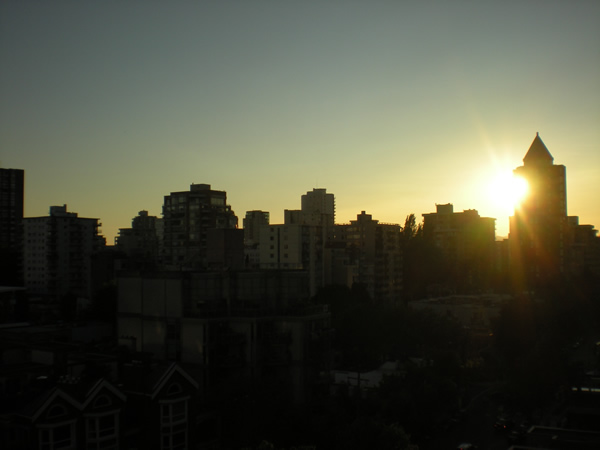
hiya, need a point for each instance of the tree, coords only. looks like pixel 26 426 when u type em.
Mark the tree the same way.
pixel 411 230
pixel 423 263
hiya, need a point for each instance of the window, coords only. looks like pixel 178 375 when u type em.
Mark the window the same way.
pixel 102 401
pixel 56 411
pixel 174 424
pixel 174 388
pixel 102 431
pixel 60 436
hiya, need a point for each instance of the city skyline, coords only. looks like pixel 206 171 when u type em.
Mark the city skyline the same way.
pixel 392 107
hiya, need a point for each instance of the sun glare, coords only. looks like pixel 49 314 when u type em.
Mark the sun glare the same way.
pixel 507 191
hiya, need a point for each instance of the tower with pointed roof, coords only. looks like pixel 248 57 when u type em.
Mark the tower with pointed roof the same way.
pixel 538 226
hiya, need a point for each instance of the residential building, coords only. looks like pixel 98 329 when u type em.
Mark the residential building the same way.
pixel 13 304
pixel 466 242
pixel 299 242
pixel 57 395
pixel 537 229
pixel 253 222
pixel 143 241
pixel 231 323
pixel 583 249
pixel 187 218
pixel 369 253
pixel 284 247
pixel 11 227
pixel 318 208
pixel 58 253
pixel 225 249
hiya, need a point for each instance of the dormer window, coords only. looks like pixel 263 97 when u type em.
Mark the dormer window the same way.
pixel 174 389
pixel 56 411
pixel 102 401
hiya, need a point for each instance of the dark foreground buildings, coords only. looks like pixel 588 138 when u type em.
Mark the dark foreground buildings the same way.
pixel 11 227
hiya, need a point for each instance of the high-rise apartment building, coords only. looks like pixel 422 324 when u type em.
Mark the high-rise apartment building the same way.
pixel 284 247
pixel 467 242
pixel 299 242
pixel 58 253
pixel 368 253
pixel 537 229
pixel 188 216
pixel 582 250
pixel 253 222
pixel 11 230
pixel 318 208
pixel 142 242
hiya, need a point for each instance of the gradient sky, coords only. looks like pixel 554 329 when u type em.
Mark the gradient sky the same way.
pixel 393 106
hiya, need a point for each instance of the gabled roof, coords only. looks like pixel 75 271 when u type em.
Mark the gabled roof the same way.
pixel 166 376
pixel 48 399
pixel 150 379
pixel 78 395
pixel 97 387
pixel 538 153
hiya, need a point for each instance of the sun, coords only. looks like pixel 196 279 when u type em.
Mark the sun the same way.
pixel 507 191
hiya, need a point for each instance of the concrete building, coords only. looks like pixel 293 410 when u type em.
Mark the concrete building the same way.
pixel 187 218
pixel 58 253
pixel 466 241
pixel 582 250
pixel 253 222
pixel 537 229
pixel 299 242
pixel 318 208
pixel 225 249
pixel 142 242
pixel 11 227
pixel 369 253
pixel 284 247
pixel 230 323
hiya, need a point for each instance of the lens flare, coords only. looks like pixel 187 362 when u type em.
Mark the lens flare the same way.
pixel 507 191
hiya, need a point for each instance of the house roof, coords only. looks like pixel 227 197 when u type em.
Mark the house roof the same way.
pixel 77 393
pixel 538 153
pixel 150 379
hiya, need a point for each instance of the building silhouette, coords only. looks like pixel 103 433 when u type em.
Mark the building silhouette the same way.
pixel 318 208
pixel 467 244
pixel 537 229
pixel 58 252
pixel 367 253
pixel 298 243
pixel 253 221
pixel 228 323
pixel 188 216
pixel 60 394
pixel 142 242
pixel 11 230
pixel 582 250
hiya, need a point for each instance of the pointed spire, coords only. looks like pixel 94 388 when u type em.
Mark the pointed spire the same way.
pixel 538 153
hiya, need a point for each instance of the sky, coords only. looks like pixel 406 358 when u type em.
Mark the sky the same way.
pixel 392 106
